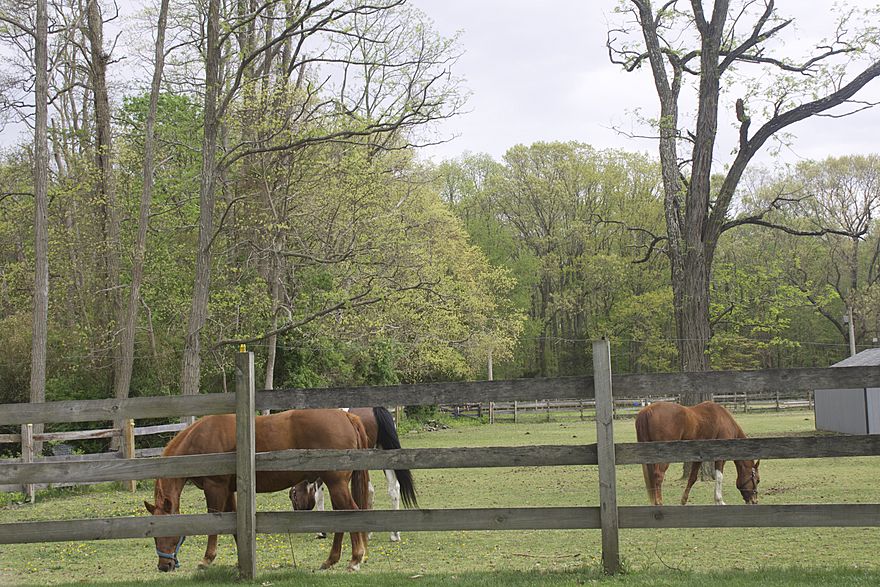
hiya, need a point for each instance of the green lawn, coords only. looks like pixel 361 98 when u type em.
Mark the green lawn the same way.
pixel 784 556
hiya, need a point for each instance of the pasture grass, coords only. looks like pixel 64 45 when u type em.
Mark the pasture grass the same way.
pixel 740 556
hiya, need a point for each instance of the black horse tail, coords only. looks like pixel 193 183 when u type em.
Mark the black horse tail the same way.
pixel 387 439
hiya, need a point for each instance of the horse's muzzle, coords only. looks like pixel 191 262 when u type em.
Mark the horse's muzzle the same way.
pixel 751 498
pixel 165 567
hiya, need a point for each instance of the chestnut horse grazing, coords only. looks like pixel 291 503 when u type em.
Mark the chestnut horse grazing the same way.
pixel 665 421
pixel 331 429
pixel 381 433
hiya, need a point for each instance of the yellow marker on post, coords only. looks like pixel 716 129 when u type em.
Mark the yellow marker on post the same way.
pixel 242 348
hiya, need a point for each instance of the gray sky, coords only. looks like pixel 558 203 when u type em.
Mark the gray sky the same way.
pixel 539 71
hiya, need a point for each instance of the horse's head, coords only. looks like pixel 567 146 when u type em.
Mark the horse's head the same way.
pixel 167 547
pixel 302 495
pixel 747 479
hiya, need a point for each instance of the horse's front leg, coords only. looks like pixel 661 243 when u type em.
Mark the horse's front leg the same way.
pixel 218 500
pixel 335 551
pixel 719 477
pixel 692 478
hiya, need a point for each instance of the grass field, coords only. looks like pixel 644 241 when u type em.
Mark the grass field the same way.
pixel 766 556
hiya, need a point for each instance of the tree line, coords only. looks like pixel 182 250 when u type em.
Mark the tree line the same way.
pixel 262 185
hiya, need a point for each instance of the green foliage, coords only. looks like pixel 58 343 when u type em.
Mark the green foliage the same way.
pixel 554 215
pixel 15 369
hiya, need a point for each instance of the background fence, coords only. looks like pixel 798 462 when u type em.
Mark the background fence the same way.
pixel 493 412
pixel 605 453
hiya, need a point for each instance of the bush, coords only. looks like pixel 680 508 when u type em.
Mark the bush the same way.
pixel 422 413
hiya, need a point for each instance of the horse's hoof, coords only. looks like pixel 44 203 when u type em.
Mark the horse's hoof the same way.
pixel 326 565
pixel 320 536
pixel 205 564
pixel 353 567
pixel 395 537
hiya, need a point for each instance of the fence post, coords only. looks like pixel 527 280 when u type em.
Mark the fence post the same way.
pixel 27 456
pixel 128 451
pixel 245 528
pixel 607 461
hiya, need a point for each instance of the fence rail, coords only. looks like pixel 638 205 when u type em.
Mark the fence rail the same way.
pixel 246 523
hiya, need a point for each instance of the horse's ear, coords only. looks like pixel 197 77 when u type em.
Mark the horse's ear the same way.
pixel 757 463
pixel 167 506
pixel 150 507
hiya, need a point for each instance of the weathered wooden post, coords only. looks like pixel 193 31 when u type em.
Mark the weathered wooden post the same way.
pixel 245 473
pixel 27 456
pixel 607 461
pixel 128 451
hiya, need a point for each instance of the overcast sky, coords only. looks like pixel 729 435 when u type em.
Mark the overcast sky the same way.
pixel 539 71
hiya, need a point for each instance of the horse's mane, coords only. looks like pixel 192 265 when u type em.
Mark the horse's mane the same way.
pixel 740 433
pixel 171 449
pixel 173 445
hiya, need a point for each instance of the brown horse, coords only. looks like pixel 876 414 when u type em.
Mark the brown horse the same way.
pixel 381 433
pixel 331 429
pixel 665 421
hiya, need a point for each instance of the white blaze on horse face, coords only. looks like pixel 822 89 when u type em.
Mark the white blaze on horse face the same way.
pixel 718 478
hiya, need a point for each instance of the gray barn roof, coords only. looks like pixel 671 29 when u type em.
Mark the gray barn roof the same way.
pixel 866 358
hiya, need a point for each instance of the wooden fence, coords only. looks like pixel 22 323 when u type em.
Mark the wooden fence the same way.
pixel 605 515
pixel 127 450
pixel 736 401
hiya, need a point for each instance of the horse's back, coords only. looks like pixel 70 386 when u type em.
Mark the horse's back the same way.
pixel 663 421
pixel 717 421
pixel 317 428
pixel 208 434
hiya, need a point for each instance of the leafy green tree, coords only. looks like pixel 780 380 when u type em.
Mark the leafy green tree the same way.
pixel 545 213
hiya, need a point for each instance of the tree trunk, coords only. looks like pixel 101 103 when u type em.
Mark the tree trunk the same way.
pixel 272 341
pixel 41 221
pixel 122 380
pixel 190 371
pixel 691 300
pixel 106 188
pixel 543 358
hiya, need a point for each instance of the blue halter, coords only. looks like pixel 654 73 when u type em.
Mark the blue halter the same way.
pixel 172 556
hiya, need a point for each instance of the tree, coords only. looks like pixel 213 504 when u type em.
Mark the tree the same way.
pixel 37 34
pixel 680 42
pixel 123 370
pixel 384 89
pixel 41 205
pixel 838 272
pixel 845 194
pixel 540 215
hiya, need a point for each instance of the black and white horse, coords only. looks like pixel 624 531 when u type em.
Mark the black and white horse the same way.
pixel 381 433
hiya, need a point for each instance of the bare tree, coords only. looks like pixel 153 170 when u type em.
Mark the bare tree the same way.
pixel 41 206
pixel 189 378
pixel 680 41
pixel 122 373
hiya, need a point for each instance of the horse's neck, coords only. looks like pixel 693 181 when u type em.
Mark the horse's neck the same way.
pixel 169 488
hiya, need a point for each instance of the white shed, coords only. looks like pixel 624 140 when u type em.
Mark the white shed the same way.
pixel 852 411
